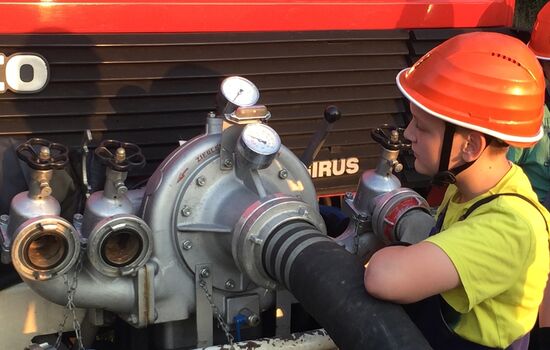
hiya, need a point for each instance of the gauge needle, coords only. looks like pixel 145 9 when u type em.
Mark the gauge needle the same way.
pixel 259 139
pixel 238 93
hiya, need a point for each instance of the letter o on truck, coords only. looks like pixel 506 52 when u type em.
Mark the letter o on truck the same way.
pixel 23 73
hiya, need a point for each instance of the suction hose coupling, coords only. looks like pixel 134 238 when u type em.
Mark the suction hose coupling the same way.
pixel 263 224
pixel 282 240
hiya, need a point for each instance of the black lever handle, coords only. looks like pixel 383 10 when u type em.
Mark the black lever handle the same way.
pixel 390 137
pixel 108 154
pixel 332 114
pixel 41 154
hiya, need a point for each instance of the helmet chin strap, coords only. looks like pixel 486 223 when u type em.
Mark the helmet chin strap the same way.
pixel 446 175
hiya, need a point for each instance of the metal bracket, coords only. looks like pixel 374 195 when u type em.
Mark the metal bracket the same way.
pixel 205 315
pixel 230 135
pixel 236 305
pixel 248 114
pixel 86 140
pixel 252 180
pixel 146 295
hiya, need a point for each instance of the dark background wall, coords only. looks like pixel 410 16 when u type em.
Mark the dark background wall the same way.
pixel 526 12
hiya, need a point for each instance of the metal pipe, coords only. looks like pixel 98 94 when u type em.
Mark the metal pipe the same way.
pixel 116 294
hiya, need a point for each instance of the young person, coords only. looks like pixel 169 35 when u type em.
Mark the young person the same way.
pixel 477 281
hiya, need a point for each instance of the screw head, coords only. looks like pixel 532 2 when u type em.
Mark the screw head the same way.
pixel 201 181
pixel 228 163
pixel 185 211
pixel 255 240
pixel 187 244
pixel 205 272
pixel 253 320
pixel 283 174
pixel 398 167
pixel 349 195
pixel 230 284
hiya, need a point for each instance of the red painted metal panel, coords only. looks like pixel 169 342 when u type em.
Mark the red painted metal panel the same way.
pixel 51 16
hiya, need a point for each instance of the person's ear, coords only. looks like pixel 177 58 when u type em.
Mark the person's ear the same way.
pixel 473 145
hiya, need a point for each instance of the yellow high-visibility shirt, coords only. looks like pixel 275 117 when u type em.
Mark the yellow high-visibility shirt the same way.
pixel 501 254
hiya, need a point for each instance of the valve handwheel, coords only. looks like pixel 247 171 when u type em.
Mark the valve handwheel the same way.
pixel 120 156
pixel 391 138
pixel 41 154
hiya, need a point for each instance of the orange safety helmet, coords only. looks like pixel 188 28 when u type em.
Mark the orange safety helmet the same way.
pixel 488 82
pixel 540 37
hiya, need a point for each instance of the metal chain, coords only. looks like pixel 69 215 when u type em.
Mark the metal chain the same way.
pixel 224 326
pixel 70 307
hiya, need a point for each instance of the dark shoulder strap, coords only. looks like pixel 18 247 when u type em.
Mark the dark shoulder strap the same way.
pixel 493 196
pixel 523 158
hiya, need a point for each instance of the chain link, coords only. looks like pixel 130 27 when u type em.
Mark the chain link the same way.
pixel 70 307
pixel 224 326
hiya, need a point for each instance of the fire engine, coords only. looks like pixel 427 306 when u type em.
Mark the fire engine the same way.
pixel 162 164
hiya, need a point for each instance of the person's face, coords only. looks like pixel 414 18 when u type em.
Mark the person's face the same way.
pixel 426 134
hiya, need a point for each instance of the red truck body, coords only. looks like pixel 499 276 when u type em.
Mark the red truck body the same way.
pixel 193 16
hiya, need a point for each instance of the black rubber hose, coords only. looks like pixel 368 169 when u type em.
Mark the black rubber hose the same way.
pixel 328 282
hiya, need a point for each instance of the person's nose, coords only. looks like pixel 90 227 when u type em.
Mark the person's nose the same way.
pixel 409 134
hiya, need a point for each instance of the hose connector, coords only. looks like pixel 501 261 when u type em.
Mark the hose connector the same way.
pixel 260 224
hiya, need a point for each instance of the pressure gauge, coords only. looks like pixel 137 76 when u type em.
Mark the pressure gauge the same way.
pixel 259 144
pixel 240 91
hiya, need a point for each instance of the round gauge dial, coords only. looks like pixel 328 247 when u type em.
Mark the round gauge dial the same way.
pixel 261 139
pixel 240 91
